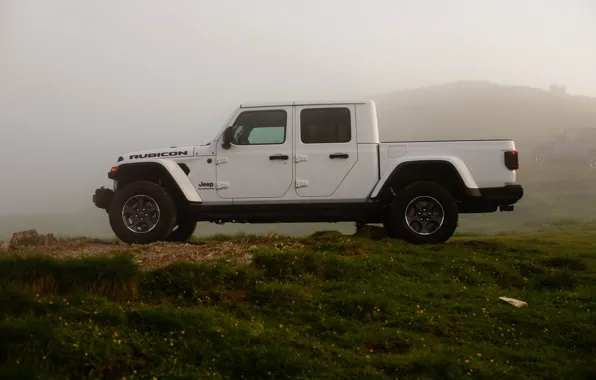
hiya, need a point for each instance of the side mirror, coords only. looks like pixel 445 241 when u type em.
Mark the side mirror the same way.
pixel 228 137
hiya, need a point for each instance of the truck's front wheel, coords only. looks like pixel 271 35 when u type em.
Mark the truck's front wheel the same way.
pixel 424 213
pixel 183 231
pixel 142 212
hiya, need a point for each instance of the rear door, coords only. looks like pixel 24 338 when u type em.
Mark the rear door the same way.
pixel 326 148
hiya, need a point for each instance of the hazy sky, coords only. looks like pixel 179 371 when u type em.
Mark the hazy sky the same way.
pixel 83 81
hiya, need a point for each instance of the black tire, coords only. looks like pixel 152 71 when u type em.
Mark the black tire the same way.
pixel 183 231
pixel 421 191
pixel 149 191
pixel 389 230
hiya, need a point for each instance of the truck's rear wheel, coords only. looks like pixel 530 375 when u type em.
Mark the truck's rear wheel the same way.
pixel 183 231
pixel 424 213
pixel 141 213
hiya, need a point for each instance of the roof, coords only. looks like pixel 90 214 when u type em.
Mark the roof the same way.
pixel 303 103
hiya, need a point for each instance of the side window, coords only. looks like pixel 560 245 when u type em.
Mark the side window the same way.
pixel 260 127
pixel 325 125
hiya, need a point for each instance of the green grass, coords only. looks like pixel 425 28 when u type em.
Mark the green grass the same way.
pixel 341 307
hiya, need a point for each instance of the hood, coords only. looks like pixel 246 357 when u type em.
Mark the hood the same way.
pixel 173 152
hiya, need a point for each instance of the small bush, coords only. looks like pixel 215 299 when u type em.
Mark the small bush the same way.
pixel 572 263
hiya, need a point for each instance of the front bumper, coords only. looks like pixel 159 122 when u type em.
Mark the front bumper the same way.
pixel 103 197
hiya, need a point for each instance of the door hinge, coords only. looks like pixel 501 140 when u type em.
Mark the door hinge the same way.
pixel 299 158
pixel 221 160
pixel 301 183
pixel 222 185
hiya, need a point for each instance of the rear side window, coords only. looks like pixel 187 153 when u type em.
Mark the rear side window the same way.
pixel 325 125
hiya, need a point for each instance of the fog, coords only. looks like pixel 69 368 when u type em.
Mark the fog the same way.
pixel 83 81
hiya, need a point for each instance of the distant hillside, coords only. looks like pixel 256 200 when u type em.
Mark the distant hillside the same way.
pixel 468 110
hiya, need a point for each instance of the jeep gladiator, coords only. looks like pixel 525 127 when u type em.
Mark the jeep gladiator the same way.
pixel 309 162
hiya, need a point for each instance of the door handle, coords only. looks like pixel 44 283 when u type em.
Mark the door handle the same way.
pixel 279 157
pixel 339 155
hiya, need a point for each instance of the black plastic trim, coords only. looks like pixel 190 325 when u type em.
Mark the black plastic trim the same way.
pixel 370 212
pixel 506 195
pixel 103 197
pixel 147 171
pixel 396 174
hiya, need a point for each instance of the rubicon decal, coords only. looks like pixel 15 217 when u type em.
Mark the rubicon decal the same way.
pixel 162 154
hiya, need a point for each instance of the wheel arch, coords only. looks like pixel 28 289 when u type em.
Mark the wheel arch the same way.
pixel 167 173
pixel 449 172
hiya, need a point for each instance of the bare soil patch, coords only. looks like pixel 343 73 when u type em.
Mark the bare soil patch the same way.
pixel 153 256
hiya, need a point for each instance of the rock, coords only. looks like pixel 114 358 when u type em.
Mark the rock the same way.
pixel 4 247
pixel 31 237
pixel 24 238
pixel 49 239
pixel 371 232
pixel 514 302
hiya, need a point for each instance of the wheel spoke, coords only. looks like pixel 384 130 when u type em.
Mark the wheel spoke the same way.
pixel 436 218
pixel 127 210
pixel 414 218
pixel 432 207
pixel 424 227
pixel 135 224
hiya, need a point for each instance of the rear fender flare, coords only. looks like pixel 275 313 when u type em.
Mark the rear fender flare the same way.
pixel 459 166
pixel 165 168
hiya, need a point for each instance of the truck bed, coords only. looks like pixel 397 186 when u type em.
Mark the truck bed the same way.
pixel 481 161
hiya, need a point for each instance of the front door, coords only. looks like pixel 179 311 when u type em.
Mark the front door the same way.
pixel 259 161
pixel 326 148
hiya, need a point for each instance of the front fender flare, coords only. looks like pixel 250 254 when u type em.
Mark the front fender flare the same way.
pixel 164 166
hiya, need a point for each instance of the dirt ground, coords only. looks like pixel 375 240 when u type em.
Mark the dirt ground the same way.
pixel 157 255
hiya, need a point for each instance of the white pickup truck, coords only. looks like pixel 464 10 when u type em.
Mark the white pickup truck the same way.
pixel 309 162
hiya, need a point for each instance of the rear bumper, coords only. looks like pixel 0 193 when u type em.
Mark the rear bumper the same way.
pixel 491 199
pixel 103 197
pixel 506 195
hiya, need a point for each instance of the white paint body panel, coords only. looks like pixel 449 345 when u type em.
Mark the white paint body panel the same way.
pixel 248 172
pixel 320 174
pixel 480 163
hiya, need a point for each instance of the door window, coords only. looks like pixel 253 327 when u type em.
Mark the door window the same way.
pixel 325 125
pixel 260 127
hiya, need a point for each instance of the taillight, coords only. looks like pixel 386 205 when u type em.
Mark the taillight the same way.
pixel 512 160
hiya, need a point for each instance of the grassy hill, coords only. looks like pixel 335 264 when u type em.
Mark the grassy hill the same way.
pixel 321 307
